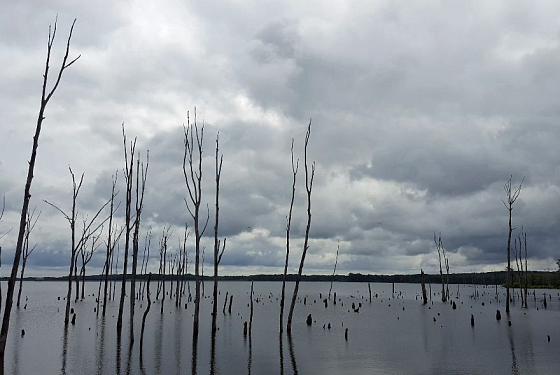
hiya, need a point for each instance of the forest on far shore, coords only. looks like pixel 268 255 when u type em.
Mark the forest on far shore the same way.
pixel 537 279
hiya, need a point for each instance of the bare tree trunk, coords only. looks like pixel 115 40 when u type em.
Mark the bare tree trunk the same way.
pixel 26 251
pixel 128 174
pixel 110 246
pixel 295 168
pixel 424 297
pixel 308 187
pixel 217 253
pixel 145 312
pixel 334 271
pixel 441 252
pixel 251 314
pixel 511 197
pixel 193 180
pixel 27 192
pixel 140 189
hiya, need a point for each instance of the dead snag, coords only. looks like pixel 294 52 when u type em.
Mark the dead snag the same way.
pixel 192 171
pixel 295 167
pixel 45 98
pixel 511 197
pixel 441 253
pixel 217 252
pixel 145 312
pixel 308 187
pixel 141 176
pixel 86 233
pixel 334 271
pixel 424 296
pixel 26 251
pixel 128 179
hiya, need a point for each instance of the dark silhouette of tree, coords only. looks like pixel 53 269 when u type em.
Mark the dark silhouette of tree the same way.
pixel 46 96
pixel 441 254
pixel 511 197
pixel 217 253
pixel 128 179
pixel 192 171
pixel 31 221
pixel 308 187
pixel 86 233
pixel 295 167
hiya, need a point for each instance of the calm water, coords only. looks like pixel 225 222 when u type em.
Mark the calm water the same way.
pixel 390 335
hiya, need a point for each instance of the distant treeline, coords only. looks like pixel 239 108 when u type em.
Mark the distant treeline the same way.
pixel 536 278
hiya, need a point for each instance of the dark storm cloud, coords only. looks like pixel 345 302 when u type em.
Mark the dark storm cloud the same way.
pixel 419 116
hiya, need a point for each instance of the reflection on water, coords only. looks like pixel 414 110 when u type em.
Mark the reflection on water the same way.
pixel 15 367
pixel 177 343
pixel 388 335
pixel 514 369
pixel 64 350
pixel 158 343
pixel 101 347
pixel 292 354
pixel 194 354
pixel 281 354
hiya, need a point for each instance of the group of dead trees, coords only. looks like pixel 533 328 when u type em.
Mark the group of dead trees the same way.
pixel 192 173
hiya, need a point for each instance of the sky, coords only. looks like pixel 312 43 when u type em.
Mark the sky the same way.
pixel 420 112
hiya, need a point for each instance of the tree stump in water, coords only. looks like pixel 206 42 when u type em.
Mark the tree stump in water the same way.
pixel 309 320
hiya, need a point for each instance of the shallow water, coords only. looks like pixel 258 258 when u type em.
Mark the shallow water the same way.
pixel 391 335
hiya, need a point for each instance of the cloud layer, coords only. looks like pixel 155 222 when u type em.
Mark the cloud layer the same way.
pixel 420 114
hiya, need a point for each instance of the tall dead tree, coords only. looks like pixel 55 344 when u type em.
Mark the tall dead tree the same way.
pixel 181 268
pixel 192 171
pixel 441 254
pixel 31 221
pixel 145 260
pixel 295 167
pixel 86 232
pixel 87 256
pixel 217 252
pixel 424 297
pixel 128 178
pixel 163 256
pixel 308 187
pixel 141 175
pixel 45 98
pixel 511 197
pixel 334 270
pixel 110 244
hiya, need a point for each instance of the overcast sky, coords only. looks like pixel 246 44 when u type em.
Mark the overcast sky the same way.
pixel 420 113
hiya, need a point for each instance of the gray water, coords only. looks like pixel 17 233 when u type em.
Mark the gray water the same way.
pixel 394 334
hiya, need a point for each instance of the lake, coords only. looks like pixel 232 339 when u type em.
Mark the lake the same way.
pixel 394 334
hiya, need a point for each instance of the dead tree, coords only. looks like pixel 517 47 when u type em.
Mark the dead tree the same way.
pixel 181 268
pixel 334 271
pixel 163 252
pixel 511 197
pixel 251 314
pixel 441 253
pixel 110 244
pixel 145 260
pixel 141 175
pixel 145 313
pixel 217 252
pixel 308 187
pixel 424 297
pixel 192 171
pixel 31 221
pixel 128 177
pixel 87 231
pixel 288 227
pixel 45 98
pixel 86 258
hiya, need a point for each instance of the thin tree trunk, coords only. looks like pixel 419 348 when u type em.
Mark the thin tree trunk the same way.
pixel 308 188
pixel 145 312
pixel 128 180
pixel 295 168
pixel 27 192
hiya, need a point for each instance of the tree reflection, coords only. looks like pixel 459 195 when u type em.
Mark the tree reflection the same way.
pixel 292 355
